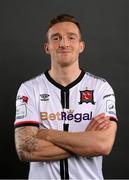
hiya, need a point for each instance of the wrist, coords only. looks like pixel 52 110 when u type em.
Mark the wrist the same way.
pixel 52 135
pixel 48 135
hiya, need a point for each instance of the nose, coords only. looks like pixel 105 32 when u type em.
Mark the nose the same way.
pixel 64 42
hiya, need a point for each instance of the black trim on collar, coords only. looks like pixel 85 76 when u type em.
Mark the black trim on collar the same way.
pixel 69 85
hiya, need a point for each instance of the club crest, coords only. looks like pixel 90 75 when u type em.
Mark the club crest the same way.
pixel 87 96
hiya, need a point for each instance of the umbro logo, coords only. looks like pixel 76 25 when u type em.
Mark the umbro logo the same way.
pixel 44 97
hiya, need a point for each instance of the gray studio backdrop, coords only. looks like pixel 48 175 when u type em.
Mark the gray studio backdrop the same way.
pixel 105 26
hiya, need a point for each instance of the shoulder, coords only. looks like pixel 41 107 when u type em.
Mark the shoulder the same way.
pixel 96 82
pixel 34 80
pixel 32 84
pixel 95 77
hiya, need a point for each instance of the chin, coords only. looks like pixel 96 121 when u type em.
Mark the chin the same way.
pixel 66 64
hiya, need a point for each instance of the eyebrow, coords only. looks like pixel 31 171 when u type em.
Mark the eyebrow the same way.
pixel 59 35
pixel 56 34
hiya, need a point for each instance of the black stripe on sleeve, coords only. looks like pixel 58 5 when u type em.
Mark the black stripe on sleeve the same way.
pixel 113 119
pixel 26 124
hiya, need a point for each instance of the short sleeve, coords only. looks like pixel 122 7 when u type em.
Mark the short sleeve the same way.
pixel 26 110
pixel 106 102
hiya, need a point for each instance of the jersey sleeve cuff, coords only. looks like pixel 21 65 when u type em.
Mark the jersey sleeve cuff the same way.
pixel 26 123
pixel 114 119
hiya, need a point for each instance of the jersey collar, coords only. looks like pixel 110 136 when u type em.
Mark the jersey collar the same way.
pixel 79 78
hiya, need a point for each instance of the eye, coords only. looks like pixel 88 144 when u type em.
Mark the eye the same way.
pixel 56 38
pixel 72 37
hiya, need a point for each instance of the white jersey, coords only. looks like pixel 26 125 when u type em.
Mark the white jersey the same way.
pixel 44 103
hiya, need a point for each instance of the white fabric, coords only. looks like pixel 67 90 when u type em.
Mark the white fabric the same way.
pixel 43 107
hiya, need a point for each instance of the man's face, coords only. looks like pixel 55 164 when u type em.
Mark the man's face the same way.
pixel 64 44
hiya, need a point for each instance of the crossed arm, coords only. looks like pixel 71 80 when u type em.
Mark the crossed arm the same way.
pixel 33 144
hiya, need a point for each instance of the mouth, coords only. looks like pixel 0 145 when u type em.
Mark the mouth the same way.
pixel 64 52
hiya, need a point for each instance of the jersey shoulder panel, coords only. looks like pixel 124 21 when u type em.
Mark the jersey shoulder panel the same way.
pixel 95 77
pixel 93 81
pixel 34 82
pixel 99 83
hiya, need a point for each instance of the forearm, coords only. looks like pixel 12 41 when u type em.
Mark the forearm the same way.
pixel 65 140
pixel 45 151
pixel 31 148
pixel 89 143
pixel 82 143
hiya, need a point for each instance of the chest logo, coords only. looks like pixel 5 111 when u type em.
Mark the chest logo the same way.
pixel 44 97
pixel 87 96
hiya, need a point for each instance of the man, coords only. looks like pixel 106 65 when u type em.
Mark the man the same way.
pixel 65 117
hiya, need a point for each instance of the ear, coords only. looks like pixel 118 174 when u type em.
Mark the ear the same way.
pixel 45 47
pixel 82 46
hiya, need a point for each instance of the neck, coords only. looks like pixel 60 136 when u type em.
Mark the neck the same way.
pixel 65 75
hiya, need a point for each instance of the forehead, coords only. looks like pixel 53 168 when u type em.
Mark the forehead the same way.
pixel 63 28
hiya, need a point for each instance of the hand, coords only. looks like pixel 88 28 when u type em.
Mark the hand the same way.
pixel 42 134
pixel 98 123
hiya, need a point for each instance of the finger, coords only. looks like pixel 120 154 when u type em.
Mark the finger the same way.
pixel 97 123
pixel 94 122
pixel 104 124
pixel 102 115
pixel 105 127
